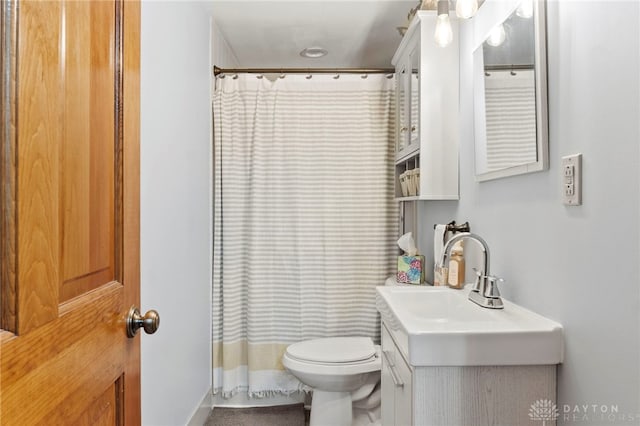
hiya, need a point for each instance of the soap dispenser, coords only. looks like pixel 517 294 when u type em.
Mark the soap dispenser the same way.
pixel 456 266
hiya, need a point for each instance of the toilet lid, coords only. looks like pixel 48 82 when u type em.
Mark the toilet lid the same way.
pixel 333 349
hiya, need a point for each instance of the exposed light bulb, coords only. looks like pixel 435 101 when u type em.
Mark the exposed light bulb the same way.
pixel 497 36
pixel 443 34
pixel 525 10
pixel 465 9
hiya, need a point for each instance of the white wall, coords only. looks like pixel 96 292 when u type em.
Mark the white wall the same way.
pixel 221 54
pixel 175 208
pixel 577 265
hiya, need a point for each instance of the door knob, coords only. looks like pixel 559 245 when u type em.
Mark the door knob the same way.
pixel 150 321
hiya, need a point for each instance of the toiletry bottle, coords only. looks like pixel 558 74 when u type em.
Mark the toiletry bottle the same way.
pixel 440 276
pixel 456 266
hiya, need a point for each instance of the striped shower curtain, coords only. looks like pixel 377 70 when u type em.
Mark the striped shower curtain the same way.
pixel 304 219
pixel 510 98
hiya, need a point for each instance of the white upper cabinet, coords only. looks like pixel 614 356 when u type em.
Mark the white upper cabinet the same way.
pixel 427 113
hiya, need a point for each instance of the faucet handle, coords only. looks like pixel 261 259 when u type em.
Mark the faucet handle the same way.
pixel 492 290
pixel 478 284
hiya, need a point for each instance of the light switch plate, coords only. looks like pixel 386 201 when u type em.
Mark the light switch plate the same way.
pixel 572 180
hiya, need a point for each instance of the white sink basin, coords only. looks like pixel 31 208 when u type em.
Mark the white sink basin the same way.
pixel 439 326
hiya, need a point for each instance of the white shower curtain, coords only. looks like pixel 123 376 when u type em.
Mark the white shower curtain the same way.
pixel 304 219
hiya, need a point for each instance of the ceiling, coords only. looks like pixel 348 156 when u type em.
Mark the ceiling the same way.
pixel 271 34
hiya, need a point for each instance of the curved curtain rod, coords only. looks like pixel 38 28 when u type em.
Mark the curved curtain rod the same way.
pixel 218 70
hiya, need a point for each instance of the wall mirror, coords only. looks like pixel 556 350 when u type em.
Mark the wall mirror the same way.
pixel 510 89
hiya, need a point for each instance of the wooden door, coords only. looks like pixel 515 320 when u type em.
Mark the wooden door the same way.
pixel 69 212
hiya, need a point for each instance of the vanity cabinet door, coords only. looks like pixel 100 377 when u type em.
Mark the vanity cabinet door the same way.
pixel 404 393
pixel 397 406
pixel 403 75
pixel 388 386
pixel 388 395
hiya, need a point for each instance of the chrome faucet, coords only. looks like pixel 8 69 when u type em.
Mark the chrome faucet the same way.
pixel 485 291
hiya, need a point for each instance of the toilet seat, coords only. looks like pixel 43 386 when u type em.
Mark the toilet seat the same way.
pixel 338 355
pixel 333 349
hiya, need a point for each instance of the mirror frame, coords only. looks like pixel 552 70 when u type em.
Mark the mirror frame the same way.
pixel 492 13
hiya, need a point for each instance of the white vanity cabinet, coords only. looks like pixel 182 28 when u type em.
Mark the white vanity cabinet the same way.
pixel 427 110
pixel 461 395
pixel 448 362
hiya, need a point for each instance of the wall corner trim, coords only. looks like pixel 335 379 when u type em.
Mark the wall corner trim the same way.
pixel 202 412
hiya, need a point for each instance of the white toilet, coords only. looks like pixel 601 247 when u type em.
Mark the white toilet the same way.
pixel 344 373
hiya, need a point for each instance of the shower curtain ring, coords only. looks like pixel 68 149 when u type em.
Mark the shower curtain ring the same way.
pixel 259 76
pixel 221 75
pixel 309 77
pixel 337 76
pixel 364 76
pixel 235 76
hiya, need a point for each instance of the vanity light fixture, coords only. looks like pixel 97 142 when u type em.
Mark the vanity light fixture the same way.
pixel 465 9
pixel 313 52
pixel 443 34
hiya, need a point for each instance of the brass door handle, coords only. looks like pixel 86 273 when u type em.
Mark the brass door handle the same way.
pixel 150 321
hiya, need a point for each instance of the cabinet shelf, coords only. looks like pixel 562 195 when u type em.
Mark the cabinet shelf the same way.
pixel 414 198
pixel 428 198
pixel 408 153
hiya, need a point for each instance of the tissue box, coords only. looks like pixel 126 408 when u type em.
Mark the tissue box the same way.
pixel 410 269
